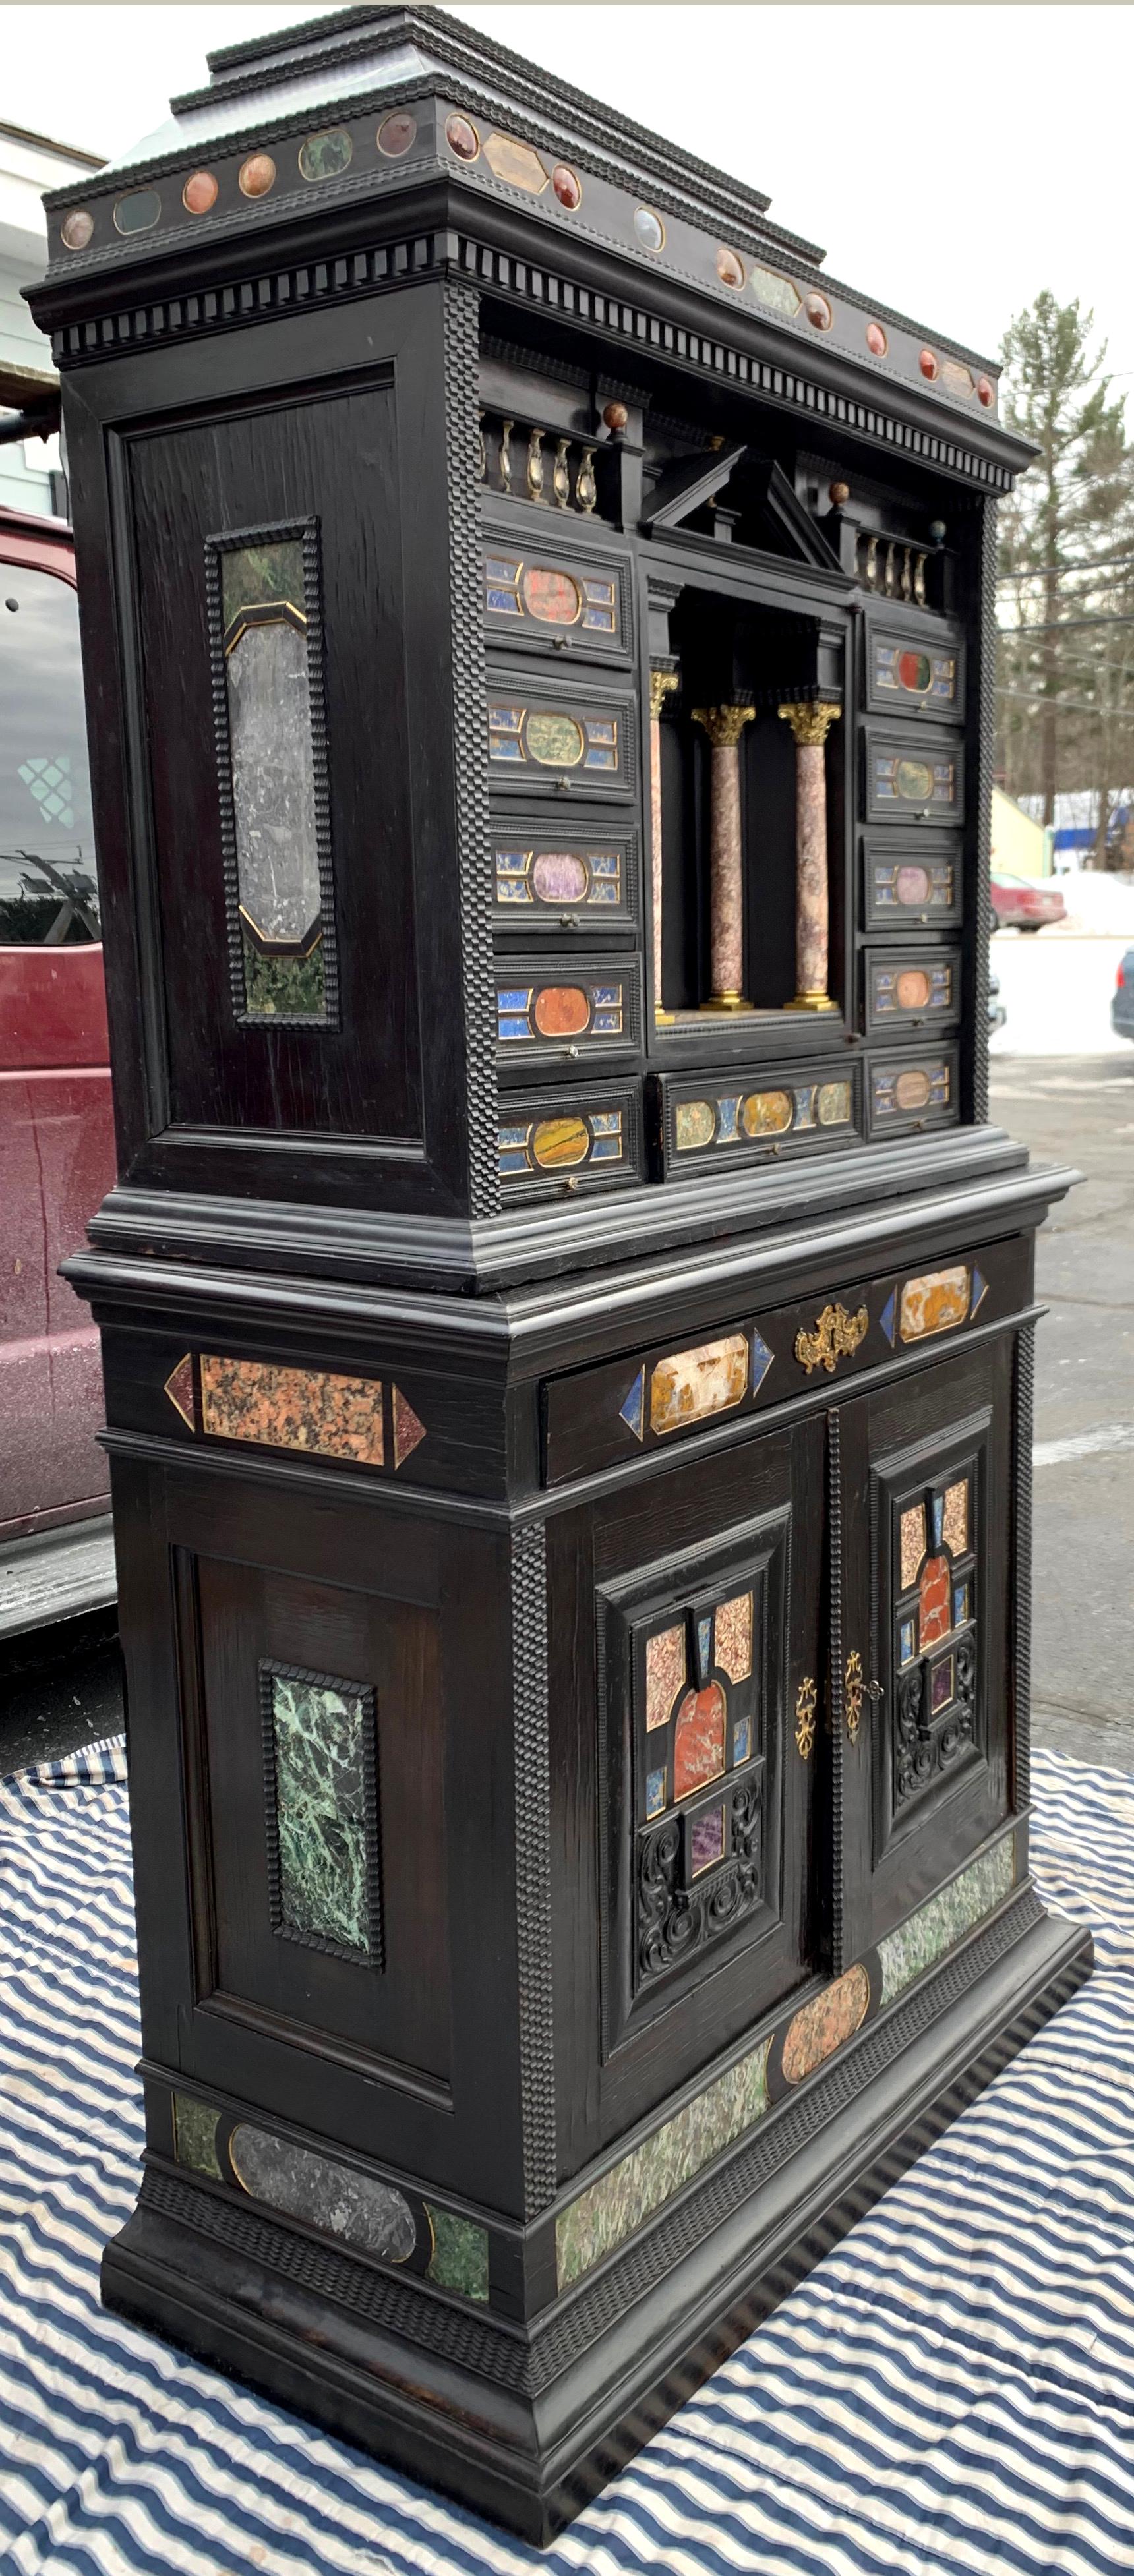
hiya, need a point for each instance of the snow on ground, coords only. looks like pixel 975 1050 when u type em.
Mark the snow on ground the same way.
pixel 1056 986
pixel 1098 905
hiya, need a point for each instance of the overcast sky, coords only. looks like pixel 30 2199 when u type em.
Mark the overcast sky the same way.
pixel 953 161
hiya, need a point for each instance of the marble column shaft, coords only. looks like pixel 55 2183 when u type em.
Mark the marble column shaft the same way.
pixel 661 684
pixel 724 726
pixel 810 724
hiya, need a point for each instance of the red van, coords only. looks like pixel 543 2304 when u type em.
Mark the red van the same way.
pixel 56 1138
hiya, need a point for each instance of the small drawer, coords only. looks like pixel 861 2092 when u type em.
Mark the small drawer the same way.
pixel 564 1140
pixel 550 594
pixel 914 987
pixel 911 1090
pixel 582 1006
pixel 717 1123
pixel 576 877
pixel 909 886
pixel 912 775
pixel 914 670
pixel 549 739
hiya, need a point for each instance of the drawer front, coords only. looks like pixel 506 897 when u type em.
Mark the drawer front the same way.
pixel 550 595
pixel 910 1091
pixel 913 775
pixel 715 1123
pixel 565 1008
pixel 560 738
pixel 909 888
pixel 570 1140
pixel 913 987
pixel 913 672
pixel 655 1399
pixel 555 875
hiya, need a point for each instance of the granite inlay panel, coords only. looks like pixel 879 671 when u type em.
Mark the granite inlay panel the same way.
pixel 622 2199
pixel 293 1408
pixel 321 1751
pixel 733 1637
pixel 337 2198
pixel 919 1943
pixel 825 2024
pixel 459 2260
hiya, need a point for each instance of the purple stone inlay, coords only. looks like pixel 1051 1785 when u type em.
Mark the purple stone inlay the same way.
pixel 559 877
pixel 706 1840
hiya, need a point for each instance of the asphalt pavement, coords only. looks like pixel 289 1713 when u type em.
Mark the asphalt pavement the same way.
pixel 64 1688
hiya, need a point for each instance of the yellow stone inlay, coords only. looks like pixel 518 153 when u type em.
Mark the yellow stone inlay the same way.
pixel 935 1303
pixel 515 162
pixel 912 1543
pixel 766 1113
pixel 833 1104
pixel 693 1123
pixel 733 1637
pixel 559 1142
pixel 665 1673
pixel 293 1408
pixel 690 1385
pixel 955 1519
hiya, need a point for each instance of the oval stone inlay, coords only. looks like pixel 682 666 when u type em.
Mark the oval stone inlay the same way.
pixel 139 212
pixel 354 2206
pixel 913 780
pixel 690 1385
pixel 693 1124
pixel 551 596
pixel 556 741
pixel 825 2024
pixel 912 989
pixel 559 877
pixel 911 1090
pixel 560 1142
pixel 914 672
pixel 766 1113
pixel 913 885
pixel 561 1011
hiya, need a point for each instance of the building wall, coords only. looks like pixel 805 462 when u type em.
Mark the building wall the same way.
pixel 1020 846
pixel 28 165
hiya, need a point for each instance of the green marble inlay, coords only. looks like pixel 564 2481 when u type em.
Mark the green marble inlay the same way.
pixel 195 2135
pixel 606 2214
pixel 251 576
pixel 317 1736
pixel 914 1947
pixel 460 2253
pixel 291 987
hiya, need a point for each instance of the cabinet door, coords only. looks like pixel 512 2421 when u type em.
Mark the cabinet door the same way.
pixel 704 1586
pixel 923 1513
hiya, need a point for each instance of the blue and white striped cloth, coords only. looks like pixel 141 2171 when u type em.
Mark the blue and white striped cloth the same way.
pixel 951 2391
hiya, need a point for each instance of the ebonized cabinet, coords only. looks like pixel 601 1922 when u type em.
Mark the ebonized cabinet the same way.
pixel 567 1320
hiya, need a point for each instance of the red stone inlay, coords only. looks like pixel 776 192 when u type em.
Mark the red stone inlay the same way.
pixel 182 1392
pixel 561 1011
pixel 819 312
pixel 876 340
pixel 928 364
pixel 396 133
pixel 257 174
pixel 566 187
pixel 933 1601
pixel 462 138
pixel 699 1740
pixel 730 269
pixel 984 391
pixel 408 1431
pixel 199 193
pixel 825 2024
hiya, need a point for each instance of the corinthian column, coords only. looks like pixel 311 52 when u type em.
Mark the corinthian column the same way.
pixel 661 683
pixel 724 726
pixel 810 724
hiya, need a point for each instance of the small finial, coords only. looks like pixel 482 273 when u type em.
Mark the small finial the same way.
pixel 840 495
pixel 616 418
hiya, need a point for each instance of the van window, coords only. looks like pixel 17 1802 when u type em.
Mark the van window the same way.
pixel 48 888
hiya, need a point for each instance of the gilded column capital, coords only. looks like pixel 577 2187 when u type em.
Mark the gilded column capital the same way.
pixel 810 720
pixel 661 684
pixel 724 725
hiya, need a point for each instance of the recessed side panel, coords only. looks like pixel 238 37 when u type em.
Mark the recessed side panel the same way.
pixel 271 627
pixel 319 1716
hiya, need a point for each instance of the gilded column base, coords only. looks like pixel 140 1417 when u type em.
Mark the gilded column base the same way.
pixel 727 1002
pixel 811 1002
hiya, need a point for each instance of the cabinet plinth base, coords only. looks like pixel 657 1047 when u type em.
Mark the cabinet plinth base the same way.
pixel 528 2449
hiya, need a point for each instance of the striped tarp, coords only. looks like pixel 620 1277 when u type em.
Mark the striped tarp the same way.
pixel 951 2391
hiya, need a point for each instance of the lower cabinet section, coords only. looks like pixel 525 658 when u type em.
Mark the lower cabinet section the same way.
pixel 560 1920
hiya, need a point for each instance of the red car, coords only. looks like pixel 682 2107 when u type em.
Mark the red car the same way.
pixel 56 1137
pixel 1020 903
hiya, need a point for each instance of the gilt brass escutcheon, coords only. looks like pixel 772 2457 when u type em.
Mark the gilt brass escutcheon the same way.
pixel 836 1335
pixel 805 1704
pixel 854 1692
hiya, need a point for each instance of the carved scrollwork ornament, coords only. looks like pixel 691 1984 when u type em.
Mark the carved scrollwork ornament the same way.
pixel 836 1336
pixel 805 1706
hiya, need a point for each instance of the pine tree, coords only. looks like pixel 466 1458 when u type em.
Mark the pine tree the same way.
pixel 1067 658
